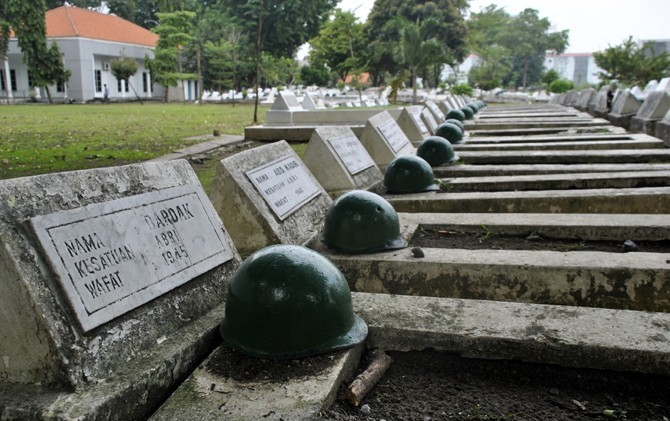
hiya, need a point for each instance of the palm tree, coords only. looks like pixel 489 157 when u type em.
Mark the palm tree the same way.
pixel 418 46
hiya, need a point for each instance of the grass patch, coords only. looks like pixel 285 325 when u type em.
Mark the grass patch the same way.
pixel 40 139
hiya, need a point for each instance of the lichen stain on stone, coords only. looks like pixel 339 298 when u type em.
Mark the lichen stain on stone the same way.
pixel 658 338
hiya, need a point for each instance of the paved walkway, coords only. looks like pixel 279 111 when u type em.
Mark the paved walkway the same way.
pixel 208 143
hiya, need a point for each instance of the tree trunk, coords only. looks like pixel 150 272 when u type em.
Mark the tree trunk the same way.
pixel 258 58
pixel 134 91
pixel 46 88
pixel 525 73
pixel 414 97
pixel 197 58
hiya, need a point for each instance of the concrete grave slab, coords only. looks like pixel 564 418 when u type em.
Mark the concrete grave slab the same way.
pixel 663 130
pixel 577 144
pixel 268 196
pixel 631 200
pixel 624 107
pixel 636 281
pixel 568 336
pixel 664 85
pixel 600 106
pixel 282 108
pixel 411 124
pixel 630 156
pixel 339 161
pixel 385 140
pixel 521 169
pixel 211 393
pixel 654 108
pixel 585 98
pixel 308 103
pixel 111 280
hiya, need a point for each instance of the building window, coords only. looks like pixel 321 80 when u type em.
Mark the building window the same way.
pixel 2 80
pixel 12 79
pixel 98 81
pixel 60 87
pixel 119 85
pixel 145 82
pixel 30 79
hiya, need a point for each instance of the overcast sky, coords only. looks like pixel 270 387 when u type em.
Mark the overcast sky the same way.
pixel 594 24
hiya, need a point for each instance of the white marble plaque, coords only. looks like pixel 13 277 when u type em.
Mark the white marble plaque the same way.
pixel 284 185
pixel 114 256
pixel 430 119
pixel 416 116
pixel 393 135
pixel 352 153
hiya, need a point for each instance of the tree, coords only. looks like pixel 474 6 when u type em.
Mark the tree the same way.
pixel 418 47
pixel 279 71
pixel 339 44
pixel 167 65
pixel 513 45
pixel 314 74
pixel 45 64
pixel 451 32
pixel 280 26
pixel 632 64
pixel 123 68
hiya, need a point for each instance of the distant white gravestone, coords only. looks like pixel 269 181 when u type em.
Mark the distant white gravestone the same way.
pixel 112 257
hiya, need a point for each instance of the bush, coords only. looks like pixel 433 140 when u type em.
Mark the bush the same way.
pixel 462 89
pixel 560 86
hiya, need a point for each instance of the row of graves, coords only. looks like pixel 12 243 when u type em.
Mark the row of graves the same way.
pixel 637 110
pixel 129 293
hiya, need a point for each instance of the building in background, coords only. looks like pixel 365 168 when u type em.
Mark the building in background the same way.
pixel 89 41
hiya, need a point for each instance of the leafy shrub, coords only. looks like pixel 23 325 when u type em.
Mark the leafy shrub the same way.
pixel 560 86
pixel 462 89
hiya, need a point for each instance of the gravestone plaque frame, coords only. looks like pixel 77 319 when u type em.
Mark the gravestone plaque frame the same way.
pixel 112 257
pixel 284 185
pixel 339 161
pixel 392 134
pixel 352 154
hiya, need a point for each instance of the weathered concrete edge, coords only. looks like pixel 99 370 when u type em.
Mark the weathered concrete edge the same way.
pixel 569 336
pixel 273 399
pixel 147 381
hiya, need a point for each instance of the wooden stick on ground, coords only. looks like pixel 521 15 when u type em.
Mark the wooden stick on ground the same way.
pixel 365 381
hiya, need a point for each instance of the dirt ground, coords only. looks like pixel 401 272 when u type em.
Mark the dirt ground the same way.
pixel 431 385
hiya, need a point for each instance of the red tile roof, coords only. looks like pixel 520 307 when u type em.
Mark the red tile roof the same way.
pixel 70 21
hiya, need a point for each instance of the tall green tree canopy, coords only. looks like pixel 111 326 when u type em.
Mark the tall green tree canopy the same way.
pixel 451 32
pixel 418 46
pixel 174 33
pixel 340 44
pixel 286 24
pixel 631 64
pixel 513 47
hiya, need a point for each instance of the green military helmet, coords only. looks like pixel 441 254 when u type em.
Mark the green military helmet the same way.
pixel 474 106
pixel 288 301
pixel 467 111
pixel 456 122
pixel 451 132
pixel 456 113
pixel 362 222
pixel 436 151
pixel 409 174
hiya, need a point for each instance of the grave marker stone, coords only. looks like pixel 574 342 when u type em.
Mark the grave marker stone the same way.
pixel 624 107
pixel 663 130
pixel 664 85
pixel 429 120
pixel 384 140
pixel 339 161
pixel 654 108
pixel 435 110
pixel 411 124
pixel 268 196
pixel 585 98
pixel 111 282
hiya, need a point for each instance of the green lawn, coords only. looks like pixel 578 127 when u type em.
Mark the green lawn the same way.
pixel 39 139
